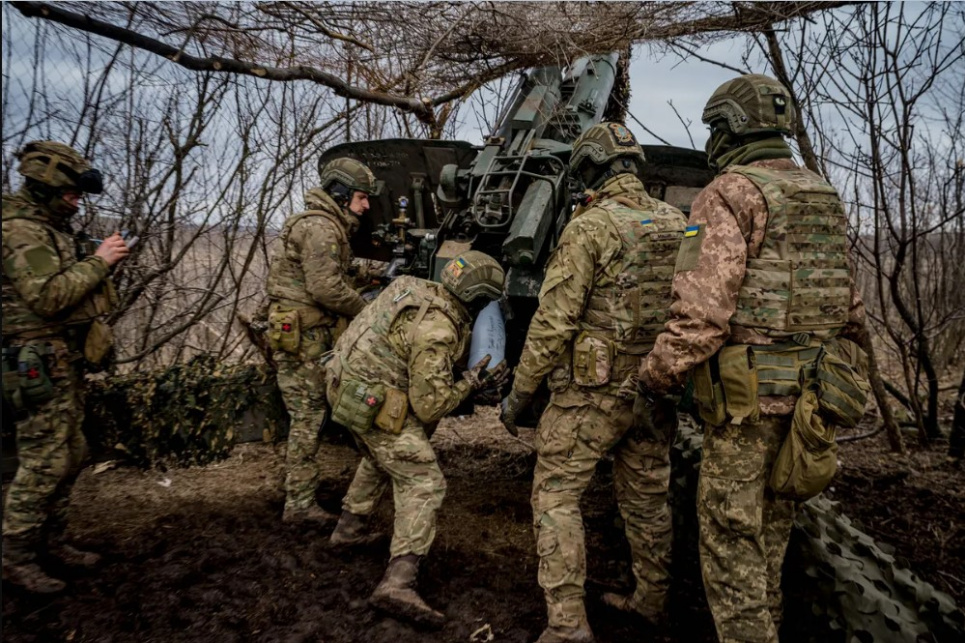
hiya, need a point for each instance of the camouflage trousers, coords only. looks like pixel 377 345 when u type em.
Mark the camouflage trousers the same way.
pixel 577 429
pixel 744 528
pixel 301 380
pixel 408 461
pixel 51 449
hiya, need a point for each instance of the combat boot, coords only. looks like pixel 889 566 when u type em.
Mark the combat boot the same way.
pixel 312 513
pixel 654 616
pixel 31 578
pixel 352 531
pixel 76 557
pixel 555 634
pixel 396 594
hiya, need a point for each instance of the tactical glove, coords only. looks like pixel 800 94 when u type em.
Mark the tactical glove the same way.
pixel 654 415
pixel 479 378
pixel 513 405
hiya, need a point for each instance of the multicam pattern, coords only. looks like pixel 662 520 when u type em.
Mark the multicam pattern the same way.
pixel 409 338
pixel 42 283
pixel 604 298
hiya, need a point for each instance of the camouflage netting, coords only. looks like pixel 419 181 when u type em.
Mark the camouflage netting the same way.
pixel 839 584
pixel 188 414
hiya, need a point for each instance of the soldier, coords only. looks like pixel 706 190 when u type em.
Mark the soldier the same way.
pixel 603 301
pixel 390 381
pixel 762 282
pixel 53 301
pixel 311 299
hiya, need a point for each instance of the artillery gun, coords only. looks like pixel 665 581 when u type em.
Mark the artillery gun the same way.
pixel 509 197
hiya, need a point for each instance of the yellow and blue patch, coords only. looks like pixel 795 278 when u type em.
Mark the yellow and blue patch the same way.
pixel 691 231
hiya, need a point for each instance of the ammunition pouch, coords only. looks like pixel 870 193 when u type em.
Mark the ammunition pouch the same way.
pixel 98 344
pixel 808 457
pixel 726 386
pixel 357 404
pixel 592 360
pixel 284 330
pixel 395 409
pixel 842 392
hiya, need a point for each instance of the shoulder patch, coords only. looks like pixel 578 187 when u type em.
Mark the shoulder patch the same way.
pixel 689 254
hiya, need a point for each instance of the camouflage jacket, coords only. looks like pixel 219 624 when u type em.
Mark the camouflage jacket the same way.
pixel 594 287
pixel 310 270
pixel 733 215
pixel 45 285
pixel 409 338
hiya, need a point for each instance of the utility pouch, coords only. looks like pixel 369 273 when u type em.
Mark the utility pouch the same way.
pixel 592 360
pixel 35 385
pixel 709 393
pixel 284 330
pixel 391 416
pixel 357 404
pixel 842 393
pixel 738 377
pixel 98 343
pixel 808 458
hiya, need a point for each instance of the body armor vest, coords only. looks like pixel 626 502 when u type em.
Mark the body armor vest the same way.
pixel 368 351
pixel 286 278
pixel 627 307
pixel 18 318
pixel 800 282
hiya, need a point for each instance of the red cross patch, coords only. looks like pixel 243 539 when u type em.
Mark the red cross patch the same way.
pixel 286 328
pixel 371 400
pixel 33 374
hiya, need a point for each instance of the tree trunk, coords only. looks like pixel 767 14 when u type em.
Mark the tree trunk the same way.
pixel 956 441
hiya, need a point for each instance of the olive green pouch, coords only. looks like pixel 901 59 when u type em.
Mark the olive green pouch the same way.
pixel 592 360
pixel 738 377
pixel 709 393
pixel 357 404
pixel 35 385
pixel 284 330
pixel 842 393
pixel 808 458
pixel 11 383
pixel 391 417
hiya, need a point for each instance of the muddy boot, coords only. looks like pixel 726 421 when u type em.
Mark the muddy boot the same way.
pixel 580 634
pixel 351 531
pixel 76 557
pixel 396 594
pixel 312 513
pixel 29 576
pixel 654 616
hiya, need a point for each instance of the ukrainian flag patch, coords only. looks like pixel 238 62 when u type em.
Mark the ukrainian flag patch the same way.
pixel 646 222
pixel 461 262
pixel 691 231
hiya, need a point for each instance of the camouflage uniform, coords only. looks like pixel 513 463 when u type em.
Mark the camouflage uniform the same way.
pixel 50 299
pixel 728 290
pixel 308 280
pixel 606 291
pixel 412 350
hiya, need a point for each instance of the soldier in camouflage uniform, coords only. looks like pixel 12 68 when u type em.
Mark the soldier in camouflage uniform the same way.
pixel 54 299
pixel 311 299
pixel 603 301
pixel 763 272
pixel 390 381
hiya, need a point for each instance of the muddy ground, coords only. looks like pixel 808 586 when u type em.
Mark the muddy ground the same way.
pixel 200 554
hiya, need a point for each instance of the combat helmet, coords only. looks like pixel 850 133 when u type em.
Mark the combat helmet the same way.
pixel 59 166
pixel 751 104
pixel 598 148
pixel 343 176
pixel 473 274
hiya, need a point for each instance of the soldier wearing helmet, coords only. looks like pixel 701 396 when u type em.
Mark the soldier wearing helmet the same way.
pixel 762 286
pixel 54 302
pixel 390 381
pixel 602 304
pixel 311 299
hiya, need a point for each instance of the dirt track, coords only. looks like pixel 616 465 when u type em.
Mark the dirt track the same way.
pixel 200 555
